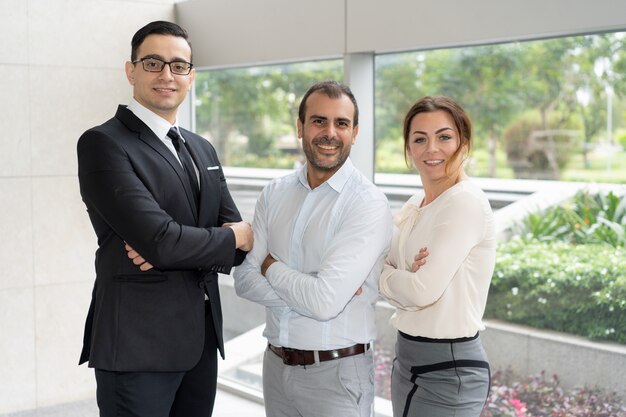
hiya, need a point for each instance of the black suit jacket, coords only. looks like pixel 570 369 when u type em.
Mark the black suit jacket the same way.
pixel 135 192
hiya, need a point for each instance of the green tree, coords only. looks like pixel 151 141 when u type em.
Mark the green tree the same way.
pixel 546 75
pixel 600 66
pixel 486 80
pixel 257 104
pixel 398 86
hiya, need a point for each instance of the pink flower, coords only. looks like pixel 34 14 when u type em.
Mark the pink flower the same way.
pixel 520 407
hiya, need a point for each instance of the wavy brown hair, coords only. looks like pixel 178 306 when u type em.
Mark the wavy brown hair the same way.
pixel 430 104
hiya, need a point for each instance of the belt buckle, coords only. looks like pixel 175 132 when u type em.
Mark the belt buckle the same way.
pixel 334 354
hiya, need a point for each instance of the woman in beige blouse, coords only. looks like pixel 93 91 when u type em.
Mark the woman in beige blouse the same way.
pixel 440 367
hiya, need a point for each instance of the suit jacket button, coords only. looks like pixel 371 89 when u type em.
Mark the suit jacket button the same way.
pixel 201 284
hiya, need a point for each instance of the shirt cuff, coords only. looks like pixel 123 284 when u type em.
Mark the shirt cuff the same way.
pixel 275 270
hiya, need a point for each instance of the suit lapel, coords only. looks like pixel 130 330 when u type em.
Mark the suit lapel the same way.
pixel 146 135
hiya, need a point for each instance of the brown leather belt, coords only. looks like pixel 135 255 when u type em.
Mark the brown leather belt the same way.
pixel 307 357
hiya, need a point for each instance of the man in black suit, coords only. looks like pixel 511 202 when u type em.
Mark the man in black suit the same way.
pixel 152 335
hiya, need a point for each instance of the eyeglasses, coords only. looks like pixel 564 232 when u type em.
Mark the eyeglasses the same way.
pixel 157 65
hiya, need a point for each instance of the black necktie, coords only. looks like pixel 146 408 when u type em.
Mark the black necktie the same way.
pixel 186 161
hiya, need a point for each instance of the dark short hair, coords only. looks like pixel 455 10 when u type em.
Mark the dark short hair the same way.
pixel 331 89
pixel 158 27
pixel 430 104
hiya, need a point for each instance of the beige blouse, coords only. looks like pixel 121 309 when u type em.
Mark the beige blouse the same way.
pixel 446 297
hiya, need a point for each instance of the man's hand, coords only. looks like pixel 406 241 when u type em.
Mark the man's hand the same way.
pixel 269 260
pixel 137 258
pixel 244 238
pixel 420 259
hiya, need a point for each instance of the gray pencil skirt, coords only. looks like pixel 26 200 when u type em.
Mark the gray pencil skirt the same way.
pixel 439 377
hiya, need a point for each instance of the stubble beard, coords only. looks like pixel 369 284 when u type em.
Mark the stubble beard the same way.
pixel 317 162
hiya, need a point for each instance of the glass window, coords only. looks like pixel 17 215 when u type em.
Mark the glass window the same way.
pixel 249 114
pixel 547 109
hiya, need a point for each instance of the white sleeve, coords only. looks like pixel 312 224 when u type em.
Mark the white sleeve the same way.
pixel 388 271
pixel 362 239
pixel 249 282
pixel 456 229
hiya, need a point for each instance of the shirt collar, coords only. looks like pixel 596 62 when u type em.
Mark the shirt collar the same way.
pixel 336 182
pixel 156 123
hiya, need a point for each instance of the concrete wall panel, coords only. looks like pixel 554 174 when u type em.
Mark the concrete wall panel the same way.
pixel 17 350
pixel 15 158
pixel 16 235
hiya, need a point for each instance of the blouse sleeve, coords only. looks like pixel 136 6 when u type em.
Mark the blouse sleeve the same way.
pixel 456 228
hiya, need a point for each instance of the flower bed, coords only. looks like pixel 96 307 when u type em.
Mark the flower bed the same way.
pixel 541 396
pixel 514 396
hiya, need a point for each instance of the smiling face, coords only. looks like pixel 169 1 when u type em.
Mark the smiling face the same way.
pixel 327 133
pixel 433 142
pixel 161 92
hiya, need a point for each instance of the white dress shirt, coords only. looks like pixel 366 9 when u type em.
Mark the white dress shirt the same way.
pixel 329 242
pixel 446 297
pixel 159 126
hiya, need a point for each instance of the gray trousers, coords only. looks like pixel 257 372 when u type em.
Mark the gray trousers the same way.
pixel 338 388
pixel 439 378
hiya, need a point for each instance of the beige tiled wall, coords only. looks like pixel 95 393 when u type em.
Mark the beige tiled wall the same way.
pixel 54 101
pixel 17 347
pixel 14 32
pixel 61 72
pixel 59 318
pixel 15 158
pixel 16 237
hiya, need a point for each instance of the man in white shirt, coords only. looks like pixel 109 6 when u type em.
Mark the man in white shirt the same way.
pixel 321 235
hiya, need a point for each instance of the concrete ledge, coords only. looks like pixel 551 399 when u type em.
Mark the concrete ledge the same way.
pixel 576 361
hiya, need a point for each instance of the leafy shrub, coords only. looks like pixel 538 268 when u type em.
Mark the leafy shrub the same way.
pixel 578 289
pixel 588 218
pixel 539 396
pixel 566 270
pixel 390 156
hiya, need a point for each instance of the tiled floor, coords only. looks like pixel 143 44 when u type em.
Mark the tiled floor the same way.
pixel 226 405
pixel 230 405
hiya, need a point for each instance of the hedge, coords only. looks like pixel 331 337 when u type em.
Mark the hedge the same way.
pixel 577 289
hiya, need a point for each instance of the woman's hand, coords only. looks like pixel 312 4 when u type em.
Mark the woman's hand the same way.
pixel 420 259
